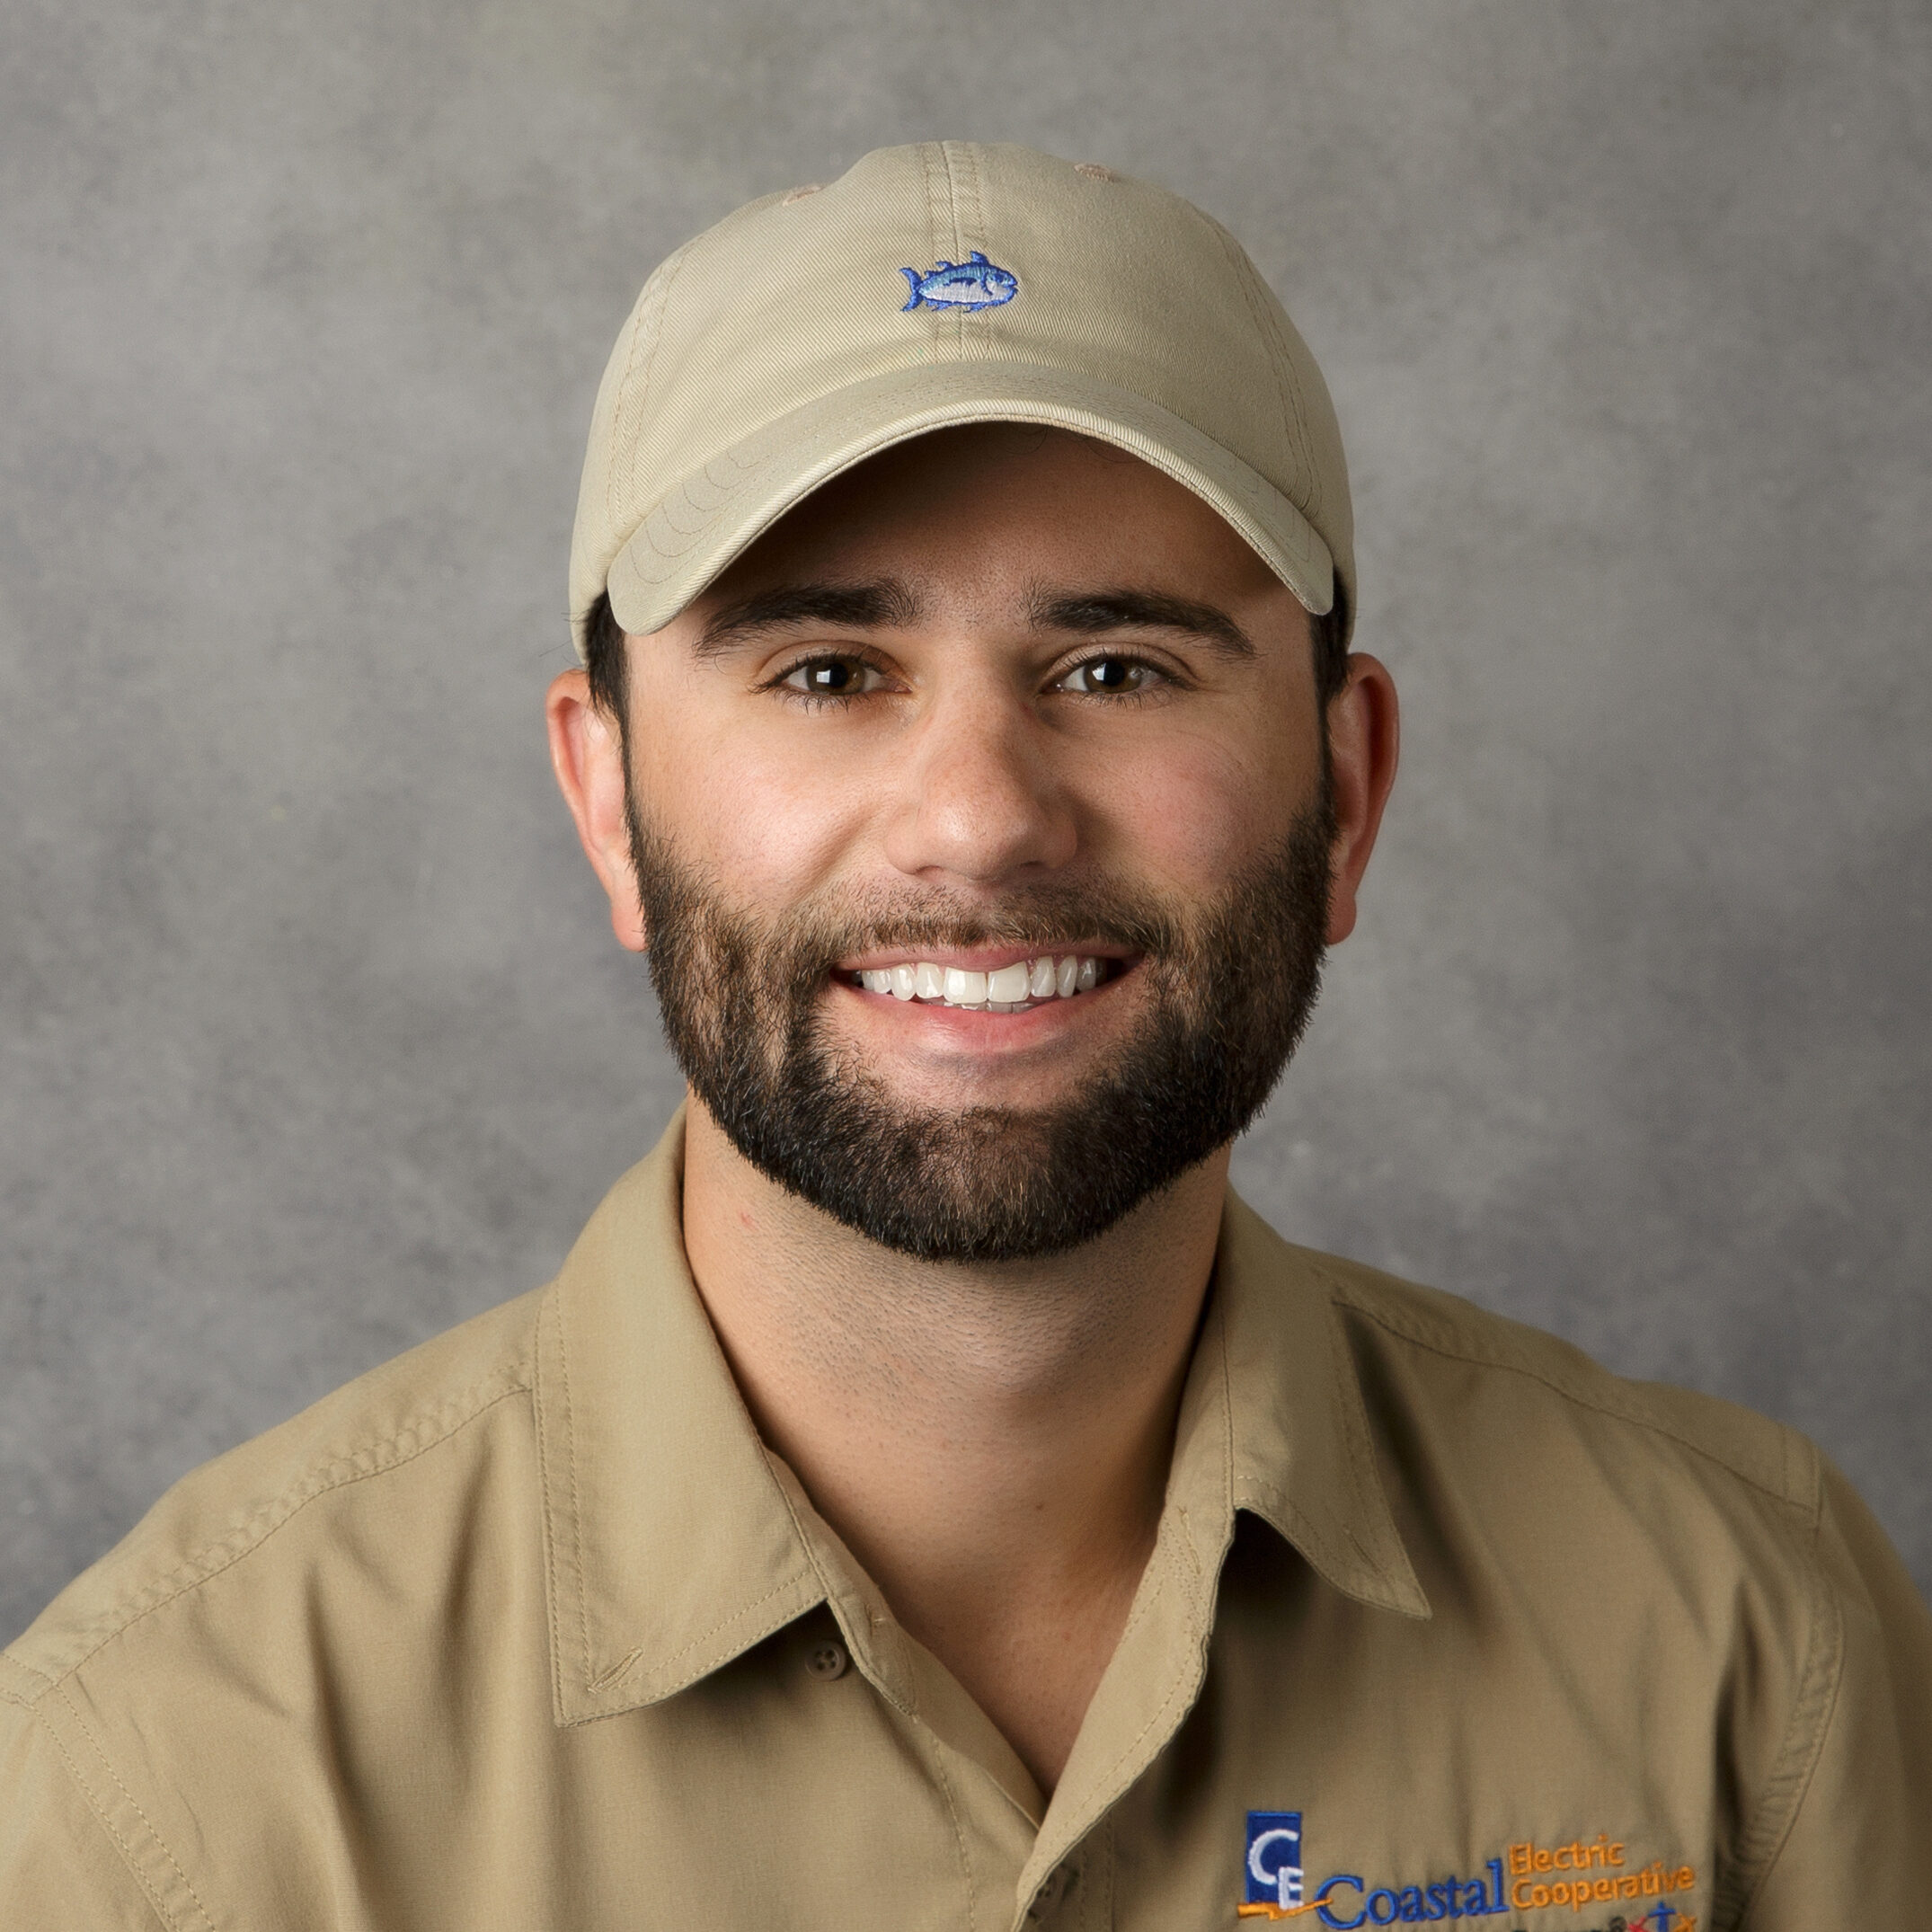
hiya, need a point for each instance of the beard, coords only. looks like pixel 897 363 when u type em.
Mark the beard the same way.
pixel 1228 987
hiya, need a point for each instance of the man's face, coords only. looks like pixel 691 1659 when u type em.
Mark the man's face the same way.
pixel 1007 702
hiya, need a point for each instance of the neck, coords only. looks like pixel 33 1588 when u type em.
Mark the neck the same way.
pixel 991 1441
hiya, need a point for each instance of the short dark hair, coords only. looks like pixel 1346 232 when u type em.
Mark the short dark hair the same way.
pixel 611 682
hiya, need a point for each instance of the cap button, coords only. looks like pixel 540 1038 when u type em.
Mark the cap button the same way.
pixel 828 1661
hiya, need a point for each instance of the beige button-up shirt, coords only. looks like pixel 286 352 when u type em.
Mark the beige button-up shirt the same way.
pixel 527 1631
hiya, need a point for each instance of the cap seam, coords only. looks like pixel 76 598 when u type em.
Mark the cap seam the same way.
pixel 931 159
pixel 955 318
pixel 1238 262
pixel 1288 382
pixel 651 304
pixel 976 232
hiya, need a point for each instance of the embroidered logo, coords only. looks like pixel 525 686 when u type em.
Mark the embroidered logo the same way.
pixel 1573 1879
pixel 972 284
pixel 1274 1862
pixel 1581 1876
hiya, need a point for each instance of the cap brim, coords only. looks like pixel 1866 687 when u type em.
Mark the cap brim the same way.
pixel 708 518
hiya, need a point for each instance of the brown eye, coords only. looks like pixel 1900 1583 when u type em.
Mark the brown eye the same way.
pixel 1107 677
pixel 832 676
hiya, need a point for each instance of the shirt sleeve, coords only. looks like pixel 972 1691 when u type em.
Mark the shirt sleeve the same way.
pixel 59 1870
pixel 1858 1847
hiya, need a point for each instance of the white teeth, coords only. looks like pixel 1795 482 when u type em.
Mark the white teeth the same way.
pixel 1008 985
pixel 1005 989
pixel 965 988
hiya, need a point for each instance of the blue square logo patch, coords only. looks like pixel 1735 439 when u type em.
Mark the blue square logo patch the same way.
pixel 1274 1859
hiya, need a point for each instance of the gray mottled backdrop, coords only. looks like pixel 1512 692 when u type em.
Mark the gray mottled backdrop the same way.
pixel 314 1037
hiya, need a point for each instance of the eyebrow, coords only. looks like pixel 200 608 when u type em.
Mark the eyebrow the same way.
pixel 885 602
pixel 888 602
pixel 1093 613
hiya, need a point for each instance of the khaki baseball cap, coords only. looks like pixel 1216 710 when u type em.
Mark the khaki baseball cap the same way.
pixel 946 283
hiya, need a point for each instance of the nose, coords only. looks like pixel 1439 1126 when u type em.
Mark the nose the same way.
pixel 979 800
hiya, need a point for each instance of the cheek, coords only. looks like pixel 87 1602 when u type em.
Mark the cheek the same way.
pixel 770 823
pixel 1206 807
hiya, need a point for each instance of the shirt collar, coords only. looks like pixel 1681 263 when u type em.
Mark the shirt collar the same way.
pixel 672 1546
pixel 1300 1453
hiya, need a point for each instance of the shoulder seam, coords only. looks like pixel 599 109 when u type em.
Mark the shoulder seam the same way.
pixel 420 1433
pixel 1394 1326
pixel 1814 1707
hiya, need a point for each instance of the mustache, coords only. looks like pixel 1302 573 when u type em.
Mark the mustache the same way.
pixel 811 938
pixel 811 935
pixel 1043 923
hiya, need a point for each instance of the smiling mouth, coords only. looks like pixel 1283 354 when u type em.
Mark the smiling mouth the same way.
pixel 1016 988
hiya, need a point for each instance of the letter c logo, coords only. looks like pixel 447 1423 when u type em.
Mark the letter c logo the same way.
pixel 1321 1903
pixel 1264 1874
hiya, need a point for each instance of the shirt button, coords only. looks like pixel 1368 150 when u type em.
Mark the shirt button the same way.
pixel 826 1660
pixel 1053 1888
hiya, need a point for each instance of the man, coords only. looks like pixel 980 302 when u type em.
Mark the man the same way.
pixel 927 1497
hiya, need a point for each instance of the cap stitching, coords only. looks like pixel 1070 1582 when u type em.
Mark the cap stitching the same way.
pixel 931 155
pixel 650 315
pixel 841 420
pixel 1287 394
pixel 975 234
pixel 1291 375
pixel 957 317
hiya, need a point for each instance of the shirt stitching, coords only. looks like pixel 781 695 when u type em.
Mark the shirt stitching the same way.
pixel 936 1752
pixel 1355 1438
pixel 569 1442
pixel 113 1831
pixel 1471 1353
pixel 320 1481
pixel 737 1615
pixel 542 1409
pixel 1129 1751
pixel 1821 1686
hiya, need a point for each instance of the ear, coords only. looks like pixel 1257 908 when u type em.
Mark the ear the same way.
pixel 587 754
pixel 1364 736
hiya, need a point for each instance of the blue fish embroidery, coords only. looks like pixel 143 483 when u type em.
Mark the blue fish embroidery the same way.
pixel 973 284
